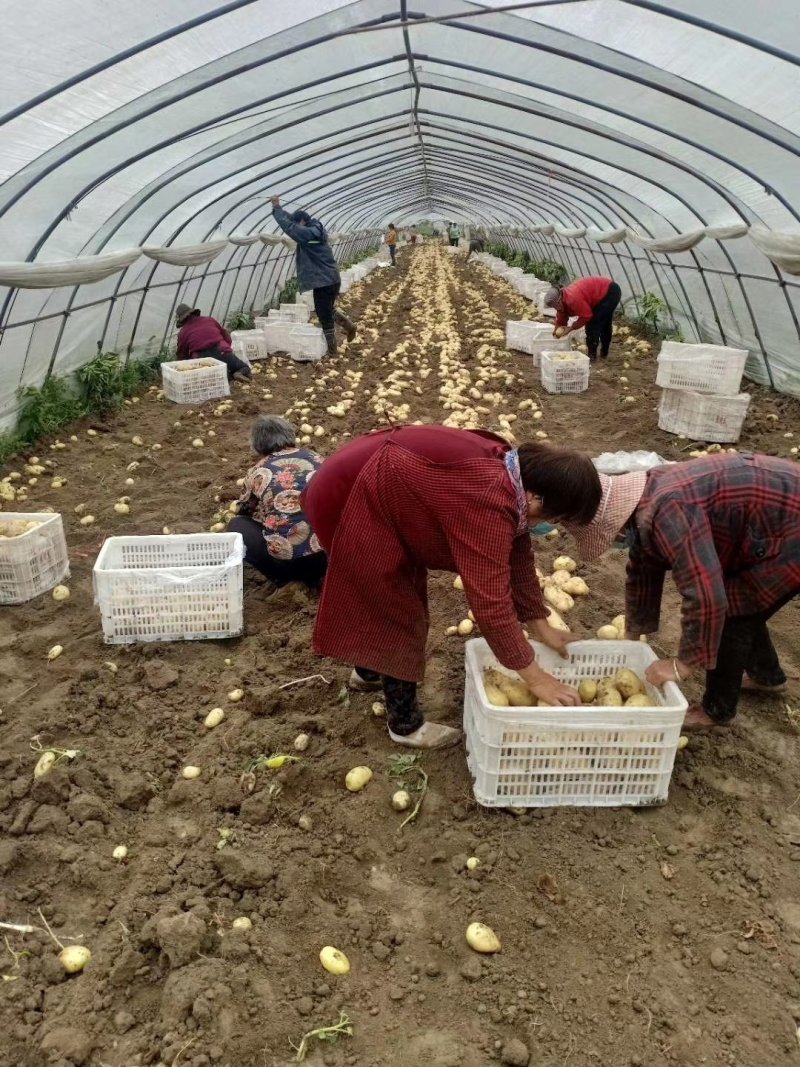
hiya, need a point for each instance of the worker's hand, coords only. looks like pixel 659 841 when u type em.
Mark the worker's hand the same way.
pixel 275 201
pixel 558 640
pixel 547 688
pixel 663 670
pixel 554 693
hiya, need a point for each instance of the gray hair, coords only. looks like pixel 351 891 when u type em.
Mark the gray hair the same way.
pixel 271 433
pixel 553 297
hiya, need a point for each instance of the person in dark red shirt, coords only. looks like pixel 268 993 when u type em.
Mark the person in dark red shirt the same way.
pixel 200 336
pixel 728 528
pixel 394 504
pixel 594 301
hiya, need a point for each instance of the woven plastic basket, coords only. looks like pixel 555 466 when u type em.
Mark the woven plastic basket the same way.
pixel 249 344
pixel 171 588
pixel 534 337
pixel 307 344
pixel 701 416
pixel 564 372
pixel 702 368
pixel 296 312
pixel 591 756
pixel 277 333
pixel 193 381
pixel 32 562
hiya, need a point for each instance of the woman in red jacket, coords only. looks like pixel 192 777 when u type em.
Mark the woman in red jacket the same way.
pixel 594 301
pixel 394 504
pixel 201 336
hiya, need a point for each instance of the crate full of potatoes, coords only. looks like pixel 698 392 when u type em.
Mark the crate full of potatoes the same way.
pixel 616 749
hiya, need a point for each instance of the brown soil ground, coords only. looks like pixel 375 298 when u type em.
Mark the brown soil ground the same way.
pixel 623 967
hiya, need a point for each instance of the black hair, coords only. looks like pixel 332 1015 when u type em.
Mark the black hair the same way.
pixel 567 481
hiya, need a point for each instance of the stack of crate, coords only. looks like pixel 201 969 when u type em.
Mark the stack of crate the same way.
pixel 701 398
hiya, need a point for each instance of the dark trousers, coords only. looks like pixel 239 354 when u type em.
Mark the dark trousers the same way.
pixel 309 569
pixel 599 327
pixel 745 646
pixel 324 304
pixel 231 361
pixel 392 252
pixel 403 714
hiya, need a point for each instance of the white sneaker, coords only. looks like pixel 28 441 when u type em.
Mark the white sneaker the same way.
pixel 429 735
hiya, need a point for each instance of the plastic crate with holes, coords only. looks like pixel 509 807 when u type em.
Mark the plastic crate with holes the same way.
pixel 193 381
pixel 307 344
pixel 306 298
pixel 578 756
pixel 701 368
pixel 249 345
pixel 564 372
pixel 177 587
pixel 33 554
pixel 534 338
pixel 702 416
pixel 299 313
pixel 277 333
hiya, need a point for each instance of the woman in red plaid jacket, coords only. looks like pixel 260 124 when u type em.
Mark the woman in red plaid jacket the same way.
pixel 392 505
pixel 728 528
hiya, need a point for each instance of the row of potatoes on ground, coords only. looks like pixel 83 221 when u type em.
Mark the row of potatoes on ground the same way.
pixel 623 689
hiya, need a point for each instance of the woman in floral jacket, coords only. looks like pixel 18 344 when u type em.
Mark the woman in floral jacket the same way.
pixel 278 539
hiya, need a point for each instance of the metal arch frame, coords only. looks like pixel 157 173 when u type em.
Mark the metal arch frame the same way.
pixel 325 38
pixel 666 216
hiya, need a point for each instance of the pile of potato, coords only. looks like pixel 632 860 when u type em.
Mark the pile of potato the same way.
pixel 195 365
pixel 17 527
pixel 624 689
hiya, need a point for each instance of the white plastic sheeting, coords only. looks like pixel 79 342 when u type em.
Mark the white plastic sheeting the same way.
pixel 655 141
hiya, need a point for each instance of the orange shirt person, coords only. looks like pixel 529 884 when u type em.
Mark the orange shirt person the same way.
pixel 391 242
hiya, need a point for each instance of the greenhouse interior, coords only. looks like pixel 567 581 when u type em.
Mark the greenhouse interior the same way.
pixel 400 534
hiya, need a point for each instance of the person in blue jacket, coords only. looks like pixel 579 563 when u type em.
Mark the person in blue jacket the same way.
pixel 316 270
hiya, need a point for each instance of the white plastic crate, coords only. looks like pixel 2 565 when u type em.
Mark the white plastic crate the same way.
pixel 296 312
pixel 193 381
pixel 180 587
pixel 249 344
pixel 526 336
pixel 564 372
pixel 590 756
pixel 702 368
pixel 701 416
pixel 260 321
pixel 307 343
pixel 306 298
pixel 277 333
pixel 32 562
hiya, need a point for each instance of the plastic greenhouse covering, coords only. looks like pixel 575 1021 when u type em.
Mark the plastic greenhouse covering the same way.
pixel 656 142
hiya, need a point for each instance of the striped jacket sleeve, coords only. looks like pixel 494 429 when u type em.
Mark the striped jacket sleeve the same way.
pixel 488 560
pixel 683 537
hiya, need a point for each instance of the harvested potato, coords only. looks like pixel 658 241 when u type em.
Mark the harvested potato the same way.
pixel 559 578
pixel 618 622
pixel 515 690
pixel 627 682
pixel 640 700
pixel 564 563
pixel 608 694
pixel 560 600
pixel 495 695
pixel 555 620
pixel 587 690
pixel 608 633
pixel 575 586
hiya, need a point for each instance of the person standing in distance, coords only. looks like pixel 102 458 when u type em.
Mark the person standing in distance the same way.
pixel 316 270
pixel 391 243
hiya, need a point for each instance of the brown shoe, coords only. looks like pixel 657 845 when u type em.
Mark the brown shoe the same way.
pixel 751 686
pixel 696 720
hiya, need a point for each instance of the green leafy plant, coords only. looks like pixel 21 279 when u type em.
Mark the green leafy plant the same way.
pixel 44 411
pixel 408 773
pixel 288 292
pixel 240 320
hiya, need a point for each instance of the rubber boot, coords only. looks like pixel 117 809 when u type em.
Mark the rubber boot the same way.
pixel 346 323
pixel 330 337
